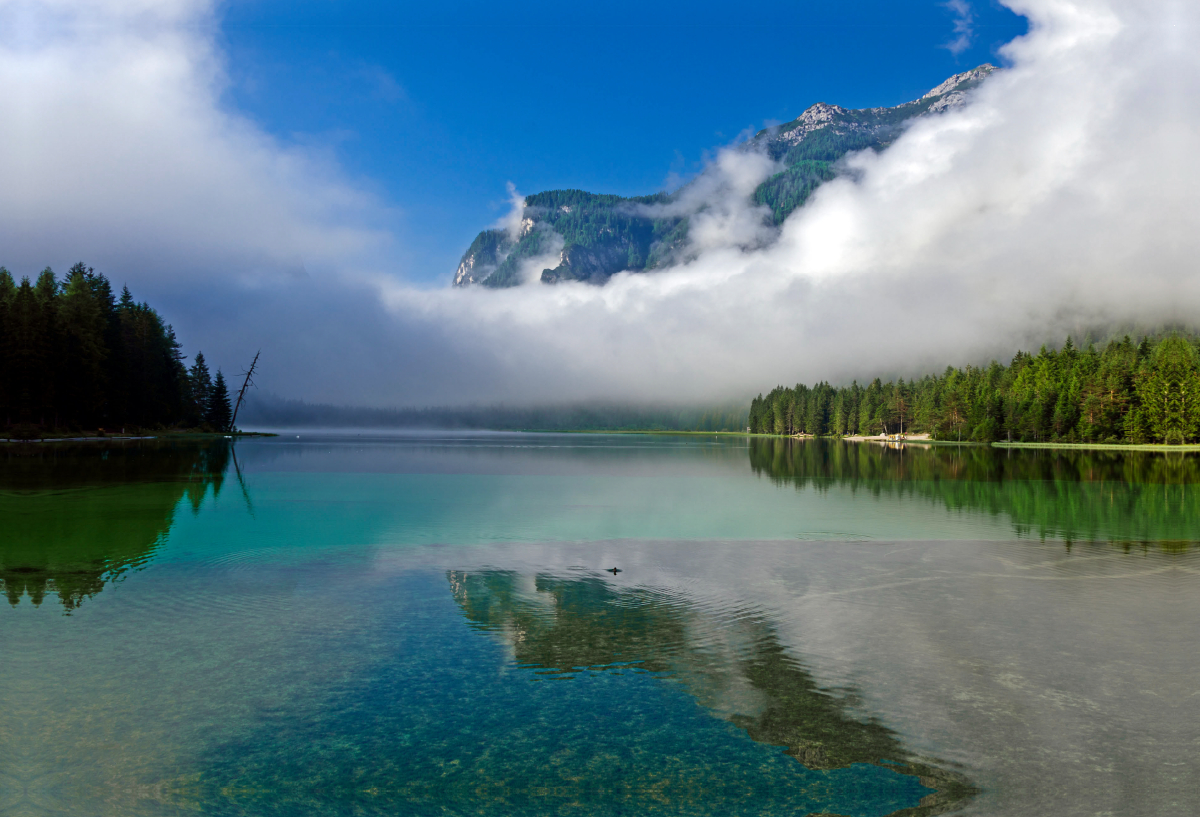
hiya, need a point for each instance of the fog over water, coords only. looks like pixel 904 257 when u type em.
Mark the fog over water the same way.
pixel 1062 196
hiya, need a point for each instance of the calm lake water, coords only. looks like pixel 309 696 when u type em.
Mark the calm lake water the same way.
pixel 420 625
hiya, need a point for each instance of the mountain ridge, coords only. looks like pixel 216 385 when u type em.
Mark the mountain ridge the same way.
pixel 573 235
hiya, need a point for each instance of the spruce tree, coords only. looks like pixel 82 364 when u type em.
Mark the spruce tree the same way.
pixel 73 355
pixel 82 372
pixel 219 411
pixel 200 385
pixel 8 385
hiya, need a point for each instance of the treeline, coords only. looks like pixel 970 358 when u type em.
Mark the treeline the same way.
pixel 270 411
pixel 75 356
pixel 1125 392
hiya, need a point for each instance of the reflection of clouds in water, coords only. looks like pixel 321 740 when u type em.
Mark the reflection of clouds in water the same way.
pixel 1063 681
pixel 338 690
pixel 726 655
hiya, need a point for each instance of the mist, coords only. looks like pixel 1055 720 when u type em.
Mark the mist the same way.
pixel 1062 196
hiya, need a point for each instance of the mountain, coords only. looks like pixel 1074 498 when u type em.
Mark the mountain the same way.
pixel 579 236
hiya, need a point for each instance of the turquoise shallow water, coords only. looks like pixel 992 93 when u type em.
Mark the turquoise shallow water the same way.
pixel 387 699
pixel 425 625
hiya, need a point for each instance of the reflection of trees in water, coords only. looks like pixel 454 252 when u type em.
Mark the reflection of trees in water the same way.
pixel 79 516
pixel 1122 496
pixel 729 660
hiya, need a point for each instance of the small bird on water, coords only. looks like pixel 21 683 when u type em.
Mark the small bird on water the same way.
pixel 613 570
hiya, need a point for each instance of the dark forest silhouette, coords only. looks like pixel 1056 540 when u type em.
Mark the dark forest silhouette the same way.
pixel 74 356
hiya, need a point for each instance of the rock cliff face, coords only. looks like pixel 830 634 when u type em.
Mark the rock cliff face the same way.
pixel 817 117
pixel 486 253
pixel 602 235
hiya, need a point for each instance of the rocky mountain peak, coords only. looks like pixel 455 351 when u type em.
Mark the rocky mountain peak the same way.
pixel 814 118
pixel 975 75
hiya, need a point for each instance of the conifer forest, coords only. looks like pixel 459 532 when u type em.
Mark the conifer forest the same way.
pixel 1122 392
pixel 74 356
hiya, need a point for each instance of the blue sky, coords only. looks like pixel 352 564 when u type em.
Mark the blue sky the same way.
pixel 435 107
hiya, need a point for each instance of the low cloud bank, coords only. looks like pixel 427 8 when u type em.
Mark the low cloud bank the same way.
pixel 1064 195
pixel 264 410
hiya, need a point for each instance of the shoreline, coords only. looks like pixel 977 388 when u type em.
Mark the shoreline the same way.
pixel 919 439
pixel 166 435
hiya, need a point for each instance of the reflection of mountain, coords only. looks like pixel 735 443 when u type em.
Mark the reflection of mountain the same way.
pixel 78 516
pixel 1124 496
pixel 730 660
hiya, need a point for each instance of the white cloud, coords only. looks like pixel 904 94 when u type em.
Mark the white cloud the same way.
pixel 510 222
pixel 719 203
pixel 1065 194
pixel 964 26
pixel 117 148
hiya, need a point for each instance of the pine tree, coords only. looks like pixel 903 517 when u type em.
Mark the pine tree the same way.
pixel 219 411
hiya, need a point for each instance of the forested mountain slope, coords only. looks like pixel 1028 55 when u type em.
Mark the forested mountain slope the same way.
pixel 590 237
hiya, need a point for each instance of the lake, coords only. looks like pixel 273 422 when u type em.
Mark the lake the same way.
pixel 429 624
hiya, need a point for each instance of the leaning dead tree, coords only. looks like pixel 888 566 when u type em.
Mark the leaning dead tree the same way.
pixel 247 383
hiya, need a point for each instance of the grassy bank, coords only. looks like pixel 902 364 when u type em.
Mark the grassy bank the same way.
pixel 1102 446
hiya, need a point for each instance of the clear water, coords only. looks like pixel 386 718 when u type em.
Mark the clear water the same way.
pixel 425 625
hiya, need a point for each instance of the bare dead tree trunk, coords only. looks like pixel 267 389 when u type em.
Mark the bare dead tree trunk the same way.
pixel 247 383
